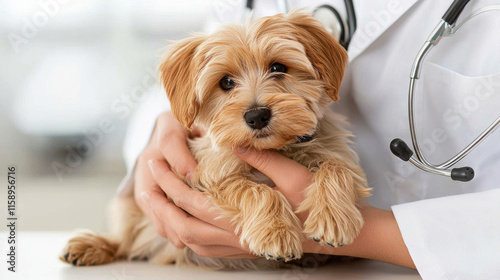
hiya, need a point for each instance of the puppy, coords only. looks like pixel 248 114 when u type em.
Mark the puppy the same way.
pixel 266 85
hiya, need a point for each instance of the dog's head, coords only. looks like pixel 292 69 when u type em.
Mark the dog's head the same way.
pixel 260 86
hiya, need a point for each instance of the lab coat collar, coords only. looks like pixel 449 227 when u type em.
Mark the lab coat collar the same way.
pixel 374 18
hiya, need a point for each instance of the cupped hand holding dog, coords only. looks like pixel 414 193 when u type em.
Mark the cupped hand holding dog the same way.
pixel 167 143
pixel 208 235
pixel 167 151
pixel 202 229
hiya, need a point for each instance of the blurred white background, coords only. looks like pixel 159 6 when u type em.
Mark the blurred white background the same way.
pixel 71 74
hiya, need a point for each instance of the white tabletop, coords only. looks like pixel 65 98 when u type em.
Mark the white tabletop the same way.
pixel 37 258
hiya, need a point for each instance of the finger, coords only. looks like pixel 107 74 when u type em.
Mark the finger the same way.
pixel 168 122
pixel 143 182
pixel 243 256
pixel 189 230
pixel 196 131
pixel 220 252
pixel 178 155
pixel 171 139
pixel 192 201
pixel 163 213
pixel 289 176
pixel 197 232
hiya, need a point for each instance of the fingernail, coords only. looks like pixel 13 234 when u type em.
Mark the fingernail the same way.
pixel 145 196
pixel 189 175
pixel 241 150
pixel 150 163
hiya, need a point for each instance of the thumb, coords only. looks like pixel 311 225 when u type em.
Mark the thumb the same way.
pixel 288 175
pixel 266 161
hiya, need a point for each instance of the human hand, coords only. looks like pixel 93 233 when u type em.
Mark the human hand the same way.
pixel 290 177
pixel 193 220
pixel 167 144
pixel 380 238
pixel 211 236
pixel 202 229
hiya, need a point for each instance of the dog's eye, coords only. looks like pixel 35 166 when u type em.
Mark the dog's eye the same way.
pixel 278 67
pixel 226 83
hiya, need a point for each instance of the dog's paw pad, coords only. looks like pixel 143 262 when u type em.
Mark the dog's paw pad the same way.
pixel 88 249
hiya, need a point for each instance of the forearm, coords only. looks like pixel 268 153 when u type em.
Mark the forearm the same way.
pixel 380 239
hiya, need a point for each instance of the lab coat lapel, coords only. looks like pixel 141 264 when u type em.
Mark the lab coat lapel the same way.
pixel 374 18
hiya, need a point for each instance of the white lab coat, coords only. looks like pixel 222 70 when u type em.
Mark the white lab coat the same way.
pixel 452 229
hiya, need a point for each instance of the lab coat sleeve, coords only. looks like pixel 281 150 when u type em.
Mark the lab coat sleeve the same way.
pixel 139 132
pixel 455 237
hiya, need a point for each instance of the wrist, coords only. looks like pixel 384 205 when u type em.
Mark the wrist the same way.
pixel 379 239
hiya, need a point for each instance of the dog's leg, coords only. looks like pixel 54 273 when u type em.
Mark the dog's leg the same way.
pixel 88 248
pixel 263 218
pixel 331 201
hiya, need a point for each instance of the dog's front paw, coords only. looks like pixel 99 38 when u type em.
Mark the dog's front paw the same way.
pixel 279 241
pixel 88 249
pixel 334 227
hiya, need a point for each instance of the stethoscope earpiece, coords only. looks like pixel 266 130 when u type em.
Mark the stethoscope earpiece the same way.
pixel 402 151
pixel 447 26
pixel 464 174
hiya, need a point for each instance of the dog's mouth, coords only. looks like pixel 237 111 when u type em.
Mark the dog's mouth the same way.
pixel 305 138
pixel 300 139
pixel 263 135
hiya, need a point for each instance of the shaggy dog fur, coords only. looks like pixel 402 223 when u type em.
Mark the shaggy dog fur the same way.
pixel 289 67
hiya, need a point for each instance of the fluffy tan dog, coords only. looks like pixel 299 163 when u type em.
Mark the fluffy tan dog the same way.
pixel 266 85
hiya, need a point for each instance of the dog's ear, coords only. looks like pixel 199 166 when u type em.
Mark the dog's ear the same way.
pixel 178 74
pixel 325 53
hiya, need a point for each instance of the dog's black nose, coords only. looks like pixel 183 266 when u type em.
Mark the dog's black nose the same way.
pixel 258 118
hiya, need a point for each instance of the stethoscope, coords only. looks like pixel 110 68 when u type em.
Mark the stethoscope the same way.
pixel 342 29
pixel 446 27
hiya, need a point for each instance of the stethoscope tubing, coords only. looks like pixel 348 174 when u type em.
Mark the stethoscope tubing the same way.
pixel 351 21
pixel 446 27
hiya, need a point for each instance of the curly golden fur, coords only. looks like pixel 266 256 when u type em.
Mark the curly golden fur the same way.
pixel 298 101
